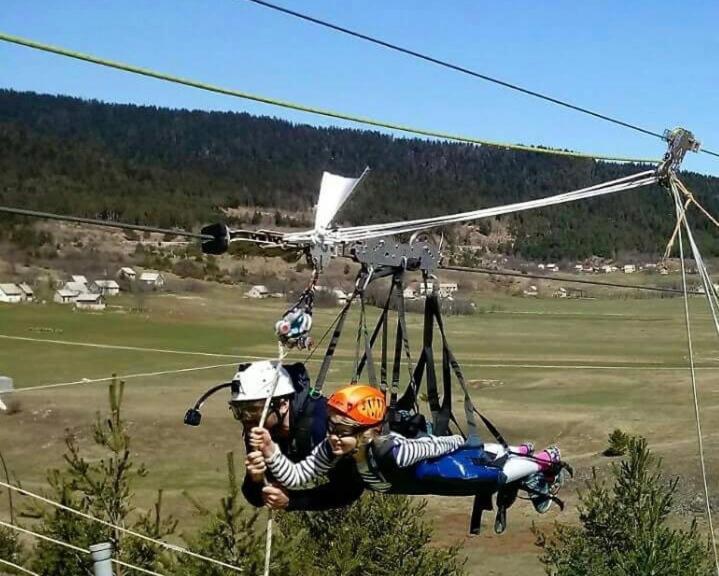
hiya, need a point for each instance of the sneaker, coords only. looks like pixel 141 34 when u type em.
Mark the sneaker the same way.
pixel 539 492
pixel 542 486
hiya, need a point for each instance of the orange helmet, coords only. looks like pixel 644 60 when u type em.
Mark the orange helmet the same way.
pixel 364 404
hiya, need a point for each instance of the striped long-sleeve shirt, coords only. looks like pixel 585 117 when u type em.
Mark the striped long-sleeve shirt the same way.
pixel 405 451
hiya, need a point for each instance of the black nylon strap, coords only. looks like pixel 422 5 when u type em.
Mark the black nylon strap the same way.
pixel 371 373
pixel 402 332
pixel 332 346
pixel 383 361
pixel 379 326
pixel 469 408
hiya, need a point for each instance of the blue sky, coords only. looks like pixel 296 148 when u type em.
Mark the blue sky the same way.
pixel 653 63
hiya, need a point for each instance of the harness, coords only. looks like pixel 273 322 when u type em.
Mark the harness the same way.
pixel 468 471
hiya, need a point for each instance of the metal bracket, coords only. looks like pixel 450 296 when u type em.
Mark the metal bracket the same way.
pixel 389 253
pixel 680 142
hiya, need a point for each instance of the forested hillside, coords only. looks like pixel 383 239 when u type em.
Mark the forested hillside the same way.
pixel 177 168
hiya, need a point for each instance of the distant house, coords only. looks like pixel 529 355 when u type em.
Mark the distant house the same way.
pixel 608 268
pixel 28 294
pixel 79 279
pixel 105 287
pixel 409 293
pixel 664 271
pixel 90 301
pixel 446 289
pixel 65 296
pixel 258 291
pixel 152 279
pixel 78 287
pixel 340 295
pixel 560 292
pixel 11 293
pixel 629 269
pixel 578 267
pixel 127 273
pixel 540 266
pixel 531 292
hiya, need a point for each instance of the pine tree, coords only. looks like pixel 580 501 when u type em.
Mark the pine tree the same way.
pixel 624 528
pixel 379 535
pixel 102 488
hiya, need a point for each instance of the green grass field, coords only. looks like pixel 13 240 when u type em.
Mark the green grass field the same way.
pixel 564 371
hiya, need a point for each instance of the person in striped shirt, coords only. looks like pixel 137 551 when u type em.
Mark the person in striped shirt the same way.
pixel 355 418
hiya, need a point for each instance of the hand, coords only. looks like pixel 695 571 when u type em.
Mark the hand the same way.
pixel 260 440
pixel 255 465
pixel 275 498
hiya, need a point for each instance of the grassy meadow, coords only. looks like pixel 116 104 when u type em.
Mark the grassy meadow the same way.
pixel 549 370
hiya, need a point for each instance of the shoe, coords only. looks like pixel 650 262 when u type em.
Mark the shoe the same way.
pixel 539 492
pixel 500 521
pixel 543 486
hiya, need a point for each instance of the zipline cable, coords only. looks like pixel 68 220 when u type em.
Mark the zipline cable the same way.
pixel 463 70
pixel 304 108
pixel 454 268
pixel 682 216
pixel 99 222
pixel 161 543
pixel 107 379
pixel 562 279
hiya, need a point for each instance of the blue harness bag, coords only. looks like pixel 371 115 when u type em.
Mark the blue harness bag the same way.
pixel 467 469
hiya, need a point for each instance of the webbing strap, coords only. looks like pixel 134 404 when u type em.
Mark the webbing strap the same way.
pixel 402 337
pixel 332 346
pixel 366 358
pixel 381 325
pixel 469 409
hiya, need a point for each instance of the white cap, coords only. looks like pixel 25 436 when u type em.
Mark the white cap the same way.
pixel 256 381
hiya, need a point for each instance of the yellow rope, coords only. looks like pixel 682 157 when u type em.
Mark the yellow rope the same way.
pixel 303 108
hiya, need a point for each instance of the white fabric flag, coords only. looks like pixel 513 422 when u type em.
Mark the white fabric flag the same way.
pixel 334 191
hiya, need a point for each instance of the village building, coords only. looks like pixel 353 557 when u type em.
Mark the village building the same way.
pixel 79 279
pixel 27 291
pixel 444 289
pixel 90 301
pixel 530 292
pixel 629 269
pixel 127 273
pixel 65 296
pixel 11 293
pixel 77 287
pixel 409 293
pixel 152 280
pixel 258 291
pixel 340 295
pixel 560 292
pixel 105 287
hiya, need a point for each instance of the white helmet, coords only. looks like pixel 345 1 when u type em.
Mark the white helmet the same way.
pixel 256 381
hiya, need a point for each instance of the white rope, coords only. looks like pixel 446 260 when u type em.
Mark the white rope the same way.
pixel 161 543
pixel 282 353
pixel 74 548
pixel 124 377
pixel 43 537
pixel 20 568
pixel 118 347
pixel 681 216
pixel 376 230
